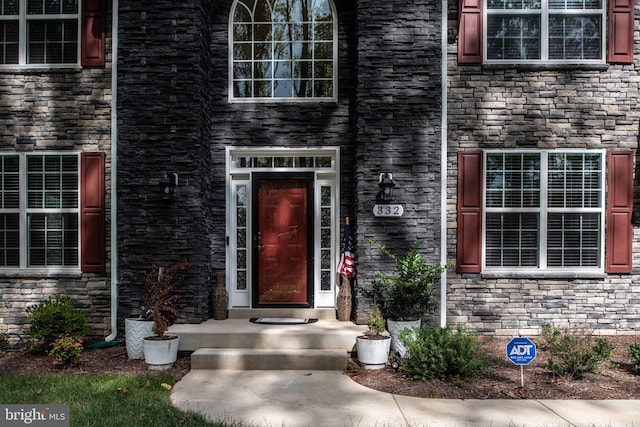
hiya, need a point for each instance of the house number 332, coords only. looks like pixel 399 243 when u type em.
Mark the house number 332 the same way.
pixel 388 210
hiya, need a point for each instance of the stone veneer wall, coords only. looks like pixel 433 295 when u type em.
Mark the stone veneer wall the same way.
pixel 164 116
pixel 398 100
pixel 58 110
pixel 174 107
pixel 589 108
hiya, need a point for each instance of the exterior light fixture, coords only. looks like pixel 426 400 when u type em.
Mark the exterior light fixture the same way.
pixel 386 185
pixel 169 183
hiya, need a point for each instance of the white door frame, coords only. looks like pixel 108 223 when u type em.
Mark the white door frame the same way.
pixel 324 162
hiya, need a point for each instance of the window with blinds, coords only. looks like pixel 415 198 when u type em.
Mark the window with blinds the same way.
pixel 40 200
pixel 545 31
pixel 544 210
pixel 39 32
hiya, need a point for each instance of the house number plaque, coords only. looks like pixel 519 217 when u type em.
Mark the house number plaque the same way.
pixel 388 210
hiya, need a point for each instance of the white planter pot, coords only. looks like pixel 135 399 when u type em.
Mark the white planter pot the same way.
pixel 160 354
pixel 373 353
pixel 134 331
pixel 395 326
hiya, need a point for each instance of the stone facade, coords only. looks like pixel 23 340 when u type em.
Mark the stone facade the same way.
pixel 544 108
pixel 57 110
pixel 174 116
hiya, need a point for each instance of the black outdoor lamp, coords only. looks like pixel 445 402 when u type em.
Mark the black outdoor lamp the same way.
pixel 169 183
pixel 386 185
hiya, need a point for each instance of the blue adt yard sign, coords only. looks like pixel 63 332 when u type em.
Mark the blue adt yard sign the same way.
pixel 521 351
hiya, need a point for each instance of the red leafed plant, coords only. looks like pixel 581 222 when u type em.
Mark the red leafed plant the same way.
pixel 159 295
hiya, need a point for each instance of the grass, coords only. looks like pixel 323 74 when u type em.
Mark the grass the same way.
pixel 105 400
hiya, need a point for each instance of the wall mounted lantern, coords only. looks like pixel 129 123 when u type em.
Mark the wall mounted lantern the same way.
pixel 386 185
pixel 169 183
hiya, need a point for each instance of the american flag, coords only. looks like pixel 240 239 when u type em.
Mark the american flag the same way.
pixel 345 266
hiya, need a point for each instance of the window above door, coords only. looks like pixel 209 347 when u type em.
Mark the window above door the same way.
pixel 283 50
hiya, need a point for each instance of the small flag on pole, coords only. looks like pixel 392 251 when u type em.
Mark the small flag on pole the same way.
pixel 345 266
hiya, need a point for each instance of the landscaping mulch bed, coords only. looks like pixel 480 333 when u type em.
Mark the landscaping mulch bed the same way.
pixel 502 381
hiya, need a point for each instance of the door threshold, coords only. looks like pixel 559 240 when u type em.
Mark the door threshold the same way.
pixel 311 313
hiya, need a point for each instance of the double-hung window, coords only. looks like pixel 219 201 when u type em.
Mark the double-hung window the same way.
pixel 579 32
pixel 545 31
pixel 544 210
pixel 39 32
pixel 39 210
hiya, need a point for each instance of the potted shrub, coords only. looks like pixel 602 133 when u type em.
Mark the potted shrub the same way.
pixel 160 350
pixel 408 293
pixel 373 347
pixel 135 329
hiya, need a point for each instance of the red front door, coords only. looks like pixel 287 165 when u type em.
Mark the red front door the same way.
pixel 282 240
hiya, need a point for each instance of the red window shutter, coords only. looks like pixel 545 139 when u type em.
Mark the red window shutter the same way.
pixel 93 33
pixel 619 210
pixel 620 32
pixel 469 250
pixel 92 212
pixel 470 32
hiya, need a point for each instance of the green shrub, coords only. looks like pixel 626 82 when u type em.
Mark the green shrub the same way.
pixel 574 351
pixel 66 350
pixel 54 317
pixel 634 350
pixel 442 353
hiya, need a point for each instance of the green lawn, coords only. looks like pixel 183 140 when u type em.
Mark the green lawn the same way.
pixel 106 400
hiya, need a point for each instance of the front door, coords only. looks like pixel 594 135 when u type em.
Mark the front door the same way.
pixel 282 241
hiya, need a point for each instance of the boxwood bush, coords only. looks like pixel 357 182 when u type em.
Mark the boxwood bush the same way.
pixel 443 353
pixel 52 318
pixel 574 351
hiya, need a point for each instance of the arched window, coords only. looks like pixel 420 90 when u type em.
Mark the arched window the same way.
pixel 283 49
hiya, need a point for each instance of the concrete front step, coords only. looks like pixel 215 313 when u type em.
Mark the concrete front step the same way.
pixel 269 359
pixel 238 344
pixel 240 333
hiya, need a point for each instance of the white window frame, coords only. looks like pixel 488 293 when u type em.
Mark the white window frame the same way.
pixel 544 12
pixel 543 210
pixel 23 20
pixel 24 212
pixel 234 99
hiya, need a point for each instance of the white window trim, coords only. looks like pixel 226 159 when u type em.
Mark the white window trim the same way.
pixel 329 176
pixel 262 100
pixel 543 211
pixel 22 38
pixel 24 269
pixel 544 11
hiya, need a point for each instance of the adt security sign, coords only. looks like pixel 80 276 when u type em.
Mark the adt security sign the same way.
pixel 521 351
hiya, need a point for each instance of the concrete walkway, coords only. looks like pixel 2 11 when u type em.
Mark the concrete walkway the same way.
pixel 332 399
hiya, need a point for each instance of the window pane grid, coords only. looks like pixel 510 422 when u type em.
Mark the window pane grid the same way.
pixel 41 32
pixel 10 182
pixel 544 210
pixel 512 240
pixel 52 182
pixel 241 236
pixel 310 162
pixel 9 240
pixel 53 239
pixel 545 30
pixel 325 238
pixel 279 48
pixel 573 240
pixel 39 199
pixel 9 45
